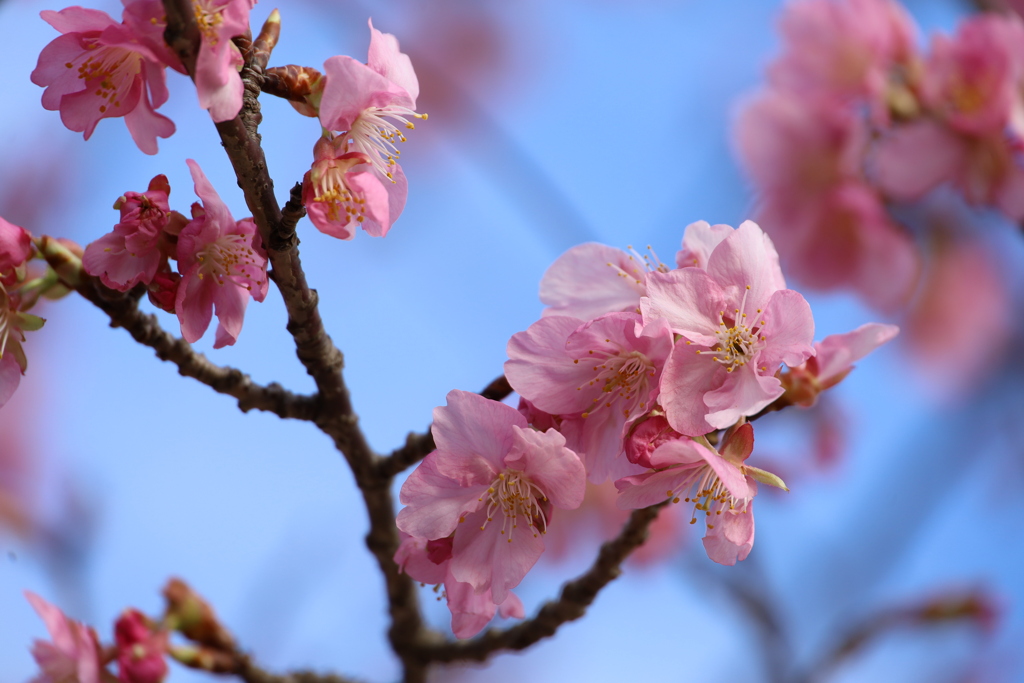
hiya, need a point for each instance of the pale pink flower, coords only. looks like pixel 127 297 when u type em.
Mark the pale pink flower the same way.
pixel 342 192
pixel 492 481
pixel 131 253
pixel 73 656
pixel 833 360
pixel 222 264
pixel 843 48
pixel 592 279
pixel 99 69
pixel 141 647
pixel 718 484
pixel 372 103
pixel 738 324
pixel 972 79
pixel 147 19
pixel 218 82
pixel 604 371
pixel 15 251
pixel 428 562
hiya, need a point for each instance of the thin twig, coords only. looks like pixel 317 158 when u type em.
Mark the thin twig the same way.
pixel 417 446
pixel 145 328
pixel 576 596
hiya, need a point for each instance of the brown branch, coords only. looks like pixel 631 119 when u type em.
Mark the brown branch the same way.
pixel 145 328
pixel 417 446
pixel 317 353
pixel 250 673
pixel 576 596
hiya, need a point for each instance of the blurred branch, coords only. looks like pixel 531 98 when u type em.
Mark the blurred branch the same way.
pixel 417 446
pixel 991 5
pixel 145 328
pixel 973 605
pixel 250 673
pixel 572 604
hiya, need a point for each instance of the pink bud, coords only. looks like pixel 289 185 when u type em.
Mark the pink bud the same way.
pixel 140 649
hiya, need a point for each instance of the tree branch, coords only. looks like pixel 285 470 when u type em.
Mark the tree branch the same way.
pixel 145 329
pixel 417 446
pixel 576 596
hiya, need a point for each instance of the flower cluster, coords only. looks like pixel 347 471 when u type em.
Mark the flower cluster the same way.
pixel 633 373
pixel 221 262
pixel 855 116
pixel 99 68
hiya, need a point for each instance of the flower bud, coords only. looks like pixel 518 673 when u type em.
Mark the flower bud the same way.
pixel 188 613
pixel 140 649
pixel 64 256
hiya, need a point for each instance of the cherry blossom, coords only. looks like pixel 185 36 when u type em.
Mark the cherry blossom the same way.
pixel 492 482
pixel 99 69
pixel 718 484
pixel 372 103
pixel 15 250
pixel 222 264
pixel 341 192
pixel 13 325
pixel 73 656
pixel 738 324
pixel 131 253
pixel 605 372
pixel 428 562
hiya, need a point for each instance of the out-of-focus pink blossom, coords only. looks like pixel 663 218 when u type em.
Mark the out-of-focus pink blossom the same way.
pixel 492 481
pixel 720 485
pixel 738 324
pixel 99 69
pixel 915 158
pixel 372 102
pixel 972 80
pixel 73 655
pixel 15 251
pixel 964 292
pixel 140 649
pixel 428 562
pixel 843 48
pixel 605 371
pixel 222 264
pixel 131 253
pixel 342 192
pixel 592 279
pixel 218 82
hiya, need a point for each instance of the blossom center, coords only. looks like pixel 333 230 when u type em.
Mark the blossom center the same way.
pixel 625 376
pixel 110 70
pixel 518 500
pixel 738 339
pixel 230 256
pixel 332 190
pixel 375 134
pixel 708 495
pixel 209 17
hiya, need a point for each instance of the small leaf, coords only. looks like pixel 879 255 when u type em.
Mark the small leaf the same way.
pixel 765 477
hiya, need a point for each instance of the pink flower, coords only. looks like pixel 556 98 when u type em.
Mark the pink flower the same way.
pixel 833 360
pixel 218 82
pixel 428 562
pixel 843 49
pixel 140 649
pixel 15 251
pixel 341 192
pixel 13 325
pixel 131 253
pixel 972 79
pixel 222 263
pixel 491 481
pixel 605 371
pixel 592 279
pixel 371 101
pixel 738 325
pixel 73 656
pixel 99 69
pixel 719 485
pixel 699 240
